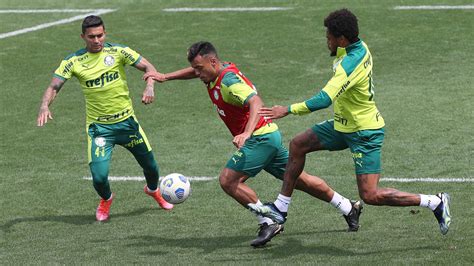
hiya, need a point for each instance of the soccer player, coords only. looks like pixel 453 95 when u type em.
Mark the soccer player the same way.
pixel 357 125
pixel 99 67
pixel 258 140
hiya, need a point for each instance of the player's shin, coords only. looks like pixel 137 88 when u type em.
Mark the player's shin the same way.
pixel 100 171
pixel 150 170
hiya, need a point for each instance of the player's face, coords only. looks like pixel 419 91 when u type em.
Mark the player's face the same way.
pixel 332 43
pixel 206 67
pixel 94 38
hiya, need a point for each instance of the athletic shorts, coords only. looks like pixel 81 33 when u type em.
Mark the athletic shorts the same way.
pixel 262 152
pixel 103 137
pixel 365 145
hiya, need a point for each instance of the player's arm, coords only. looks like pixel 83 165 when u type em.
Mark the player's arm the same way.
pixel 335 87
pixel 185 73
pixel 317 102
pixel 255 103
pixel 53 89
pixel 149 92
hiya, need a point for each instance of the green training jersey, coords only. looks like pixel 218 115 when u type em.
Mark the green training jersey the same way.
pixel 351 90
pixel 103 81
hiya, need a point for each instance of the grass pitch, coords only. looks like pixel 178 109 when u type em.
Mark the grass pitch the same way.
pixel 424 90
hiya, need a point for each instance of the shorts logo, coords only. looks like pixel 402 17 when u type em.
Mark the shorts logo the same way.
pixel 133 143
pixel 216 95
pixel 100 141
pixel 109 60
pixel 237 156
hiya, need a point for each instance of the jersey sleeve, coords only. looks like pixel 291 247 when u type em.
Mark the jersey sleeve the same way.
pixel 317 102
pixel 237 89
pixel 130 56
pixel 65 70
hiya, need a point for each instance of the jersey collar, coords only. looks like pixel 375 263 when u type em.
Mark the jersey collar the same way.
pixel 341 51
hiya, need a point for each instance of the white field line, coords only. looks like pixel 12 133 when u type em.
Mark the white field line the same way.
pixel 54 23
pixel 226 9
pixel 142 178
pixel 434 7
pixel 428 180
pixel 25 11
pixel 385 179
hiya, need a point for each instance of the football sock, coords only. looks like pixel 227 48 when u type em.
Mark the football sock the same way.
pixel 261 219
pixel 282 202
pixel 342 204
pixel 150 169
pixel 429 201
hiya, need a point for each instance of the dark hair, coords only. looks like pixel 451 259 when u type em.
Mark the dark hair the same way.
pixel 343 22
pixel 91 22
pixel 201 48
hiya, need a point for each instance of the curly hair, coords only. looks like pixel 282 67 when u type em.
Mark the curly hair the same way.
pixel 342 22
pixel 201 48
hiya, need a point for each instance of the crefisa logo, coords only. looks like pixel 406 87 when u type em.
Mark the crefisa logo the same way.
pixel 109 60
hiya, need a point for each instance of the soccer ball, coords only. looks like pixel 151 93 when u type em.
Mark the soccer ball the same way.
pixel 175 188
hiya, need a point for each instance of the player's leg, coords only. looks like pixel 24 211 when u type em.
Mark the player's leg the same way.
pixel 247 162
pixel 314 185
pixel 299 147
pixel 366 149
pixel 100 146
pixel 233 183
pixel 134 139
pixel 317 187
pixel 373 195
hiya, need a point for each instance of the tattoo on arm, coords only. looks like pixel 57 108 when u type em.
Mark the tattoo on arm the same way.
pixel 57 84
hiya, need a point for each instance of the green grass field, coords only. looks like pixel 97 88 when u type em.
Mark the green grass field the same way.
pixel 424 89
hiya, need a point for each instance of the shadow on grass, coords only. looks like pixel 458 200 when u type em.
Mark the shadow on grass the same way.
pixel 239 246
pixel 67 219
pixel 281 248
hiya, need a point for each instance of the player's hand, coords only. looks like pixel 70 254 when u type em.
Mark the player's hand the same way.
pixel 240 139
pixel 274 112
pixel 160 77
pixel 43 116
pixel 148 94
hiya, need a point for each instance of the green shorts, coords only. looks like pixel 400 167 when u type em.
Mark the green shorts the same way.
pixel 365 145
pixel 103 137
pixel 262 152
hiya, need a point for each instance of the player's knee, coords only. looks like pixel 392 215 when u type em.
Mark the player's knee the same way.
pixel 227 183
pixel 297 146
pixel 224 182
